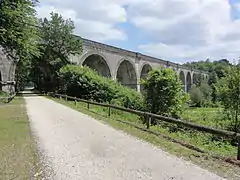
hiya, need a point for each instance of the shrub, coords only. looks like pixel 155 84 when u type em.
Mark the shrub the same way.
pixel 196 96
pixel 163 92
pixel 85 83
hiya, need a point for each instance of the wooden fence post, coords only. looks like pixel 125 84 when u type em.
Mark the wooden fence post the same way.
pixel 109 110
pixel 147 119
pixel 75 101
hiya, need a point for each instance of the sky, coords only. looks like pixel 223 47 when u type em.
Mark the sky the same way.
pixel 174 30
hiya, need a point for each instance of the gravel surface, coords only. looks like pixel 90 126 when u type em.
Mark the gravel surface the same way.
pixel 76 146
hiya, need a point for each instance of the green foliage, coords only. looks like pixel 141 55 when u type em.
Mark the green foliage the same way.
pixel 56 45
pixel 22 71
pixel 205 89
pixel 163 92
pixel 85 83
pixel 18 32
pixel 196 96
pixel 57 39
pixel 216 71
pixel 217 67
pixel 228 89
pixel 200 95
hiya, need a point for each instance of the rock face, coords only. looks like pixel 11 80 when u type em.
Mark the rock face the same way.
pixel 7 73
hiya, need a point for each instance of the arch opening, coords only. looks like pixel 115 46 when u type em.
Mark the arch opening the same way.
pixel 126 75
pixel 189 81
pixel 182 78
pixel 145 70
pixel 99 64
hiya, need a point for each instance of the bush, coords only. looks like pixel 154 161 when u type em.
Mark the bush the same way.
pixel 163 93
pixel 85 83
pixel 196 96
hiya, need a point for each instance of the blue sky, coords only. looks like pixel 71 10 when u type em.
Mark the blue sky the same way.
pixel 176 30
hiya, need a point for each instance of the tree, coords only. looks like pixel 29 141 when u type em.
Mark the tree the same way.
pixel 200 94
pixel 163 92
pixel 214 68
pixel 228 89
pixel 22 71
pixel 57 36
pixel 207 92
pixel 18 31
pixel 56 45
pixel 196 96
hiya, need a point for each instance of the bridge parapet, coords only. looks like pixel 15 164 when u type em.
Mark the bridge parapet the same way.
pixel 108 48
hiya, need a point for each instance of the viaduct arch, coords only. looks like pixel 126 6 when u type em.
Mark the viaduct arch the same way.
pixel 99 64
pixel 128 67
pixel 126 74
pixel 146 68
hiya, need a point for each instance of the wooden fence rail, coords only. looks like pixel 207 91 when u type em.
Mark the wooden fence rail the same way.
pixel 148 116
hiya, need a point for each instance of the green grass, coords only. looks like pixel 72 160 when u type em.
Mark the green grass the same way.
pixel 218 166
pixel 213 117
pixel 205 142
pixel 18 156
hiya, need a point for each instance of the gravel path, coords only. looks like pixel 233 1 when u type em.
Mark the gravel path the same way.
pixel 76 146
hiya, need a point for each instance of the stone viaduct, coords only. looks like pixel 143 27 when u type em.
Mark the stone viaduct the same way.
pixel 124 66
pixel 129 67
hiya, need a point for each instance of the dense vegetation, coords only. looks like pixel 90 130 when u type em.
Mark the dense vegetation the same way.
pixel 204 93
pixel 87 84
pixel 18 33
pixel 215 67
pixel 221 90
pixel 228 89
pixel 56 45
pixel 163 93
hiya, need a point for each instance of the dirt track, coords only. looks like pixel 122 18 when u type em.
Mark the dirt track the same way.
pixel 75 146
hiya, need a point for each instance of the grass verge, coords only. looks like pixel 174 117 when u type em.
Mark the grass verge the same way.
pixel 18 155
pixel 220 167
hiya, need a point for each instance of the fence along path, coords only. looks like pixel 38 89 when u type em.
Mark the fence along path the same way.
pixel 148 116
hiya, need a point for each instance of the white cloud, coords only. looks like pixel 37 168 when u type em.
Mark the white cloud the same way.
pixel 187 29
pixel 177 30
pixel 95 20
